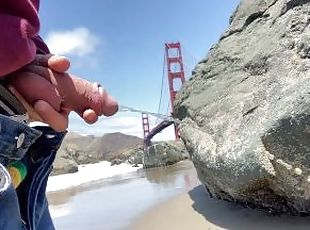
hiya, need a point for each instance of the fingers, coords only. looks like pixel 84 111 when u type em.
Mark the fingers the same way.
pixel 42 111
pixel 89 116
pixel 57 120
pixel 59 64
pixel 33 116
pixel 41 71
pixel 33 87
pixel 42 59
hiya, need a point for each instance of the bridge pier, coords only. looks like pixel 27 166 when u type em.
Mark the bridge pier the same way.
pixel 175 67
pixel 147 143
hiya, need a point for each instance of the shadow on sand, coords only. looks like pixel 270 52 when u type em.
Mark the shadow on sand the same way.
pixel 229 216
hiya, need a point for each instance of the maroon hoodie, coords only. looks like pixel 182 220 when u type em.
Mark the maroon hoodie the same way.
pixel 19 40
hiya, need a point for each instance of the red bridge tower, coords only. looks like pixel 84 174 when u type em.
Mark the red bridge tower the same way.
pixel 146 128
pixel 176 75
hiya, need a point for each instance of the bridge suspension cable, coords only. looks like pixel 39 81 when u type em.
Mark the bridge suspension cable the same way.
pixel 162 87
pixel 175 67
pixel 162 83
pixel 190 61
pixel 123 108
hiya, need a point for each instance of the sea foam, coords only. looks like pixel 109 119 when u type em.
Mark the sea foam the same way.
pixel 88 173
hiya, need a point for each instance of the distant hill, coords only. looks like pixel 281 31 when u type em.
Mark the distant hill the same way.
pixel 79 149
pixel 101 148
pixel 82 149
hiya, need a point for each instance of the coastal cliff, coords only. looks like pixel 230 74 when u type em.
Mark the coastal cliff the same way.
pixel 79 149
pixel 245 113
pixel 116 148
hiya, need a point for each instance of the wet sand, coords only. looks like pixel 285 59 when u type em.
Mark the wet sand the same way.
pixel 114 203
pixel 168 198
pixel 195 210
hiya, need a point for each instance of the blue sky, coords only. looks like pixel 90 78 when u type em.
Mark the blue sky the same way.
pixel 120 44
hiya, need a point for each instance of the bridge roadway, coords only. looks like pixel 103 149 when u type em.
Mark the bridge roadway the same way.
pixel 168 120
pixel 160 127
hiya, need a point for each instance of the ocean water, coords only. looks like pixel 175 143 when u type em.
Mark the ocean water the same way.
pixel 113 203
pixel 88 173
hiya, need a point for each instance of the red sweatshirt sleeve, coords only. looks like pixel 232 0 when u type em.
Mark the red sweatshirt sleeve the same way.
pixel 19 26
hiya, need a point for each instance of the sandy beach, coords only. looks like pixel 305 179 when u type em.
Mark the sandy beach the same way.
pixel 113 203
pixel 169 198
pixel 195 210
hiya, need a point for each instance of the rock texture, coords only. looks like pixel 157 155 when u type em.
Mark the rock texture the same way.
pixel 165 153
pixel 135 156
pixel 64 163
pixel 245 113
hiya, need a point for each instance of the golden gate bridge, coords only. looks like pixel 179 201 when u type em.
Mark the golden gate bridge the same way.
pixel 173 60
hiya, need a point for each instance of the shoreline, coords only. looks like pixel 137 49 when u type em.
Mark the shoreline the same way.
pixel 115 202
pixel 196 210
pixel 87 174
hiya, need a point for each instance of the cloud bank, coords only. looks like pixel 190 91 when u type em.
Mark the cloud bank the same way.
pixel 76 42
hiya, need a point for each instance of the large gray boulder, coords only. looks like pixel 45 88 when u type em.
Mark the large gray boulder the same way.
pixel 135 156
pixel 245 113
pixel 165 153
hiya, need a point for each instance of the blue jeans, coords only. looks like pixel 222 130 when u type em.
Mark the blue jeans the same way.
pixel 26 208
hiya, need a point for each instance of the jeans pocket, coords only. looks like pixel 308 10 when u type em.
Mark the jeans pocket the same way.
pixel 5 180
pixel 9 209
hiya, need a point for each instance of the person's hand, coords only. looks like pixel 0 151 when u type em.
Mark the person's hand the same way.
pixel 43 112
pixel 47 109
pixel 86 99
pixel 49 94
pixel 59 64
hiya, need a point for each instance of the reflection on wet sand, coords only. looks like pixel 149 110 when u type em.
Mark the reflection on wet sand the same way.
pixel 113 203
pixel 165 176
pixel 64 196
pixel 168 176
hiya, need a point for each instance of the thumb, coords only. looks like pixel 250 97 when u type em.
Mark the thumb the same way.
pixel 57 63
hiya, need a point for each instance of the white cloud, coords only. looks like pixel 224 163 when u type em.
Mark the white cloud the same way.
pixel 76 42
pixel 127 123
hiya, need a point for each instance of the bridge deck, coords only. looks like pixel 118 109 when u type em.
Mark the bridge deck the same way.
pixel 161 126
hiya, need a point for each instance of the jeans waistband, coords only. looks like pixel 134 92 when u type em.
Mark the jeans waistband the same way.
pixel 15 139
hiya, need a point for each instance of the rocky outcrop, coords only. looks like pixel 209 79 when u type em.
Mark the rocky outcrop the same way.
pixel 89 149
pixel 79 149
pixel 245 113
pixel 117 148
pixel 63 164
pixel 165 153
pixel 135 156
